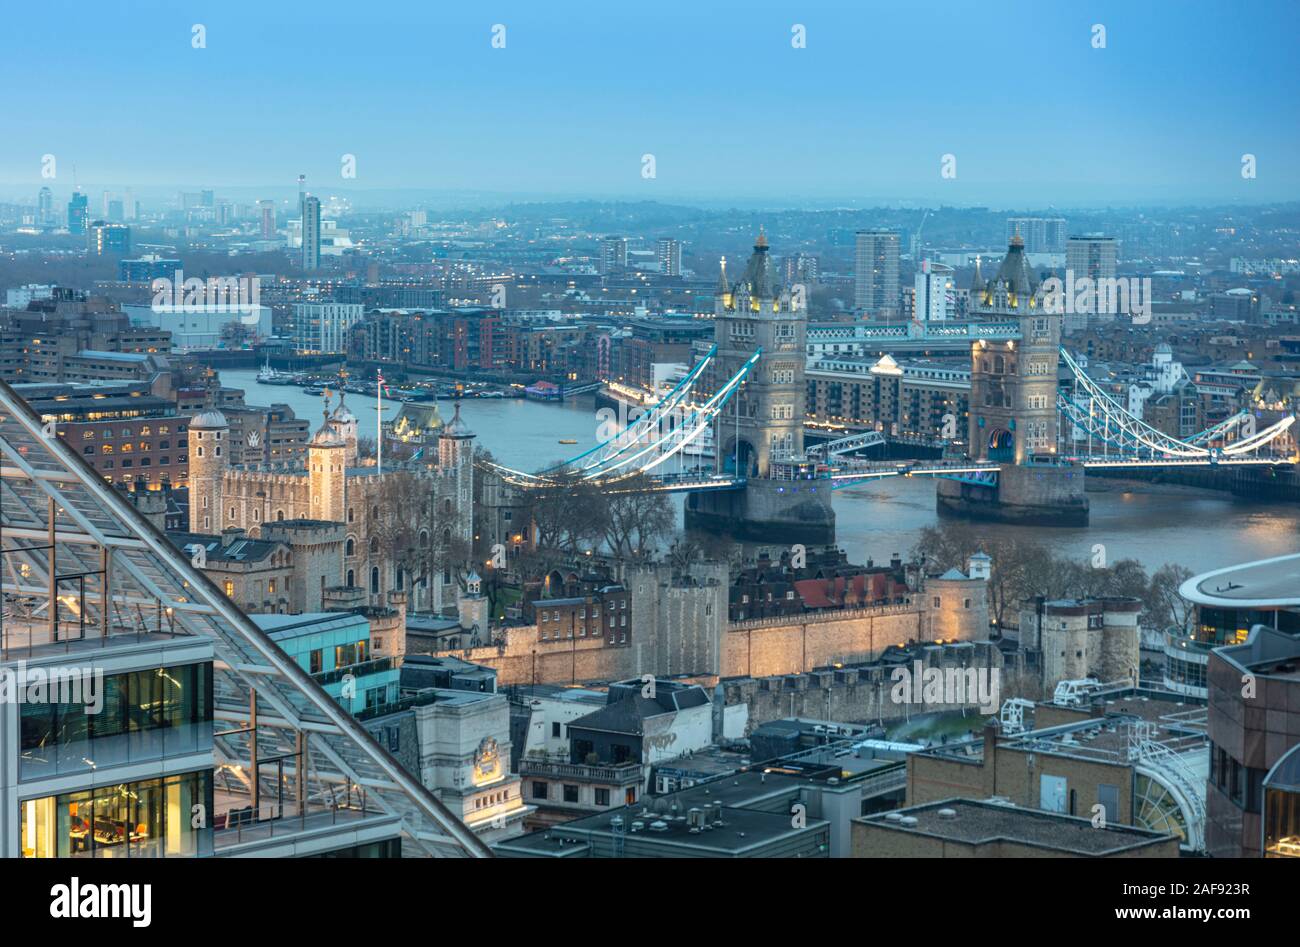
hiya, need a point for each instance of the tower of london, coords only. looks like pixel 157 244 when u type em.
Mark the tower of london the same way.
pixel 335 485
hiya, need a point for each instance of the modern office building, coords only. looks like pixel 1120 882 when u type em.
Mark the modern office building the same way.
pixel 1228 604
pixel 78 213
pixel 310 233
pixel 875 273
pixel 323 328
pixel 178 727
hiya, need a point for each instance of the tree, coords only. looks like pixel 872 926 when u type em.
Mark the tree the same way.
pixel 1166 608
pixel 406 529
pixel 237 335
pixel 634 515
pixel 567 512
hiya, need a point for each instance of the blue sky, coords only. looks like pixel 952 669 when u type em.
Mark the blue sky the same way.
pixel 714 90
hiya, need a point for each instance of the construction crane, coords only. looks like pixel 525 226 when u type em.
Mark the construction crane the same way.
pixel 916 237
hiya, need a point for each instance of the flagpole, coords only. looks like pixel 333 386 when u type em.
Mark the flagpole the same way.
pixel 379 417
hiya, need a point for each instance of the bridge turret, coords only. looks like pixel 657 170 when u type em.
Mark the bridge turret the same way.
pixel 1013 416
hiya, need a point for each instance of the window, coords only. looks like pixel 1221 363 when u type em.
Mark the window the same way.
pixel 540 789
pixel 602 797
pixel 570 792
pixel 555 729
pixel 314 661
pixel 229 587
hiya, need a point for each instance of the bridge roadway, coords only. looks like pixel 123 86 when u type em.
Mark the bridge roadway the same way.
pixel 983 473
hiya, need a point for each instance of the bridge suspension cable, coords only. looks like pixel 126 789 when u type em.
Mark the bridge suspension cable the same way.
pixel 1094 412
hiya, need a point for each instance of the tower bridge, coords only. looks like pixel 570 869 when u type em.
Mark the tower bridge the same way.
pixel 1033 430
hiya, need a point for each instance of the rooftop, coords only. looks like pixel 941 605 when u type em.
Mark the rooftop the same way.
pixel 1266 583
pixel 983 823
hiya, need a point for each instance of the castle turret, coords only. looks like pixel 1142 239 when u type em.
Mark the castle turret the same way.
pixel 326 459
pixel 345 423
pixel 456 461
pixel 208 436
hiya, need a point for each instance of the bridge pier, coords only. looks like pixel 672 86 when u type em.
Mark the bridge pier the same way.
pixel 1030 495
pixel 770 511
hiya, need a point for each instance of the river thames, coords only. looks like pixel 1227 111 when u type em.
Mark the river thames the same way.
pixel 1199 529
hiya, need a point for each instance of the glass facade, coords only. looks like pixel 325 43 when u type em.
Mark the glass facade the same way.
pixel 1220 626
pixel 152 818
pixel 139 716
pixel 1281 823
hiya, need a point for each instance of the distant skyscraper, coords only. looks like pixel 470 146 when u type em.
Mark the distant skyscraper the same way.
pixel 1095 257
pixel 267 209
pixel 311 233
pixel 302 193
pixel 128 204
pixel 78 213
pixel 670 256
pixel 935 297
pixel 207 198
pixel 104 238
pixel 1041 234
pixel 875 272
pixel 800 268
pixel 116 212
pixel 613 254
pixel 45 208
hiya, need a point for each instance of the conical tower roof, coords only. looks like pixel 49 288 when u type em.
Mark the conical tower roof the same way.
pixel 1015 274
pixel 760 279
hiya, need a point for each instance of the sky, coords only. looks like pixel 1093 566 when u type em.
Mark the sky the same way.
pixel 1033 113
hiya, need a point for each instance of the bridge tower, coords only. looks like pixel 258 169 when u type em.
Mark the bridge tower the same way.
pixel 759 435
pixel 764 421
pixel 1013 417
pixel 1013 414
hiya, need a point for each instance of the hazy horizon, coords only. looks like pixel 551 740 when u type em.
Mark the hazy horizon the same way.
pixel 1033 114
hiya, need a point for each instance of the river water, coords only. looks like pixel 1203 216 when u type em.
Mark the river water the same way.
pixel 1199 529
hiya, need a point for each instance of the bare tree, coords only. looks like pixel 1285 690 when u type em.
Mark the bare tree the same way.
pixel 1166 607
pixel 567 512
pixel 634 516
pixel 406 529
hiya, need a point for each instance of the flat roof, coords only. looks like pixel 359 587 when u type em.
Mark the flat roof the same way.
pixel 1266 583
pixel 740 831
pixel 981 823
